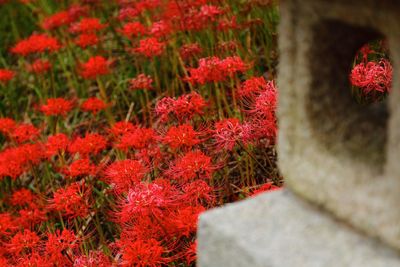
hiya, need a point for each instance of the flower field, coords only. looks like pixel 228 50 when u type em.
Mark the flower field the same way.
pixel 121 121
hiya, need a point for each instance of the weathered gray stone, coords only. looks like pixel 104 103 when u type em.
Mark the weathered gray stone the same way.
pixel 332 151
pixel 280 230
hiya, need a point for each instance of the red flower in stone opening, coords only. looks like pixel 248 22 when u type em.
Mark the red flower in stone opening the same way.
pixel 92 143
pixel 124 174
pixel 181 136
pixel 94 67
pixel 87 25
pixel 36 43
pixel 142 81
pixel 150 47
pixel 72 201
pixel 6 75
pixel 86 39
pixel 373 76
pixel 39 66
pixel 133 29
pixel 56 107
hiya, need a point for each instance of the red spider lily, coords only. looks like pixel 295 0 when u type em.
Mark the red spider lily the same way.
pixel 93 105
pixel 16 161
pixel 228 133
pixel 140 138
pixel 120 128
pixel 60 243
pixel 7 126
pixel 183 222
pixel 133 29
pixel 142 81
pixel 25 132
pixel 56 20
pixel 190 50
pixel 372 76
pixel 86 39
pixel 231 24
pixel 181 136
pixel 193 165
pixel 150 47
pixel 183 108
pixel 22 197
pixel 33 259
pixel 92 143
pixel 87 25
pixel 124 174
pixel 197 192
pixel 39 66
pixel 6 75
pixel 128 13
pixel 142 253
pixel 213 69
pixel 31 216
pixel 56 144
pixel 80 167
pixel 72 201
pixel 254 86
pixel 8 225
pixel 94 259
pixel 190 253
pixel 36 43
pixel 56 107
pixel 147 199
pixel 160 29
pixel 23 241
pixel 94 67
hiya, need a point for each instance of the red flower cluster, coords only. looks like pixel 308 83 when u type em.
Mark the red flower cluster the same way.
pixel 150 47
pixel 142 81
pixel 213 69
pixel 94 67
pixel 36 43
pixel 6 75
pixel 182 108
pixel 56 107
pixel 93 105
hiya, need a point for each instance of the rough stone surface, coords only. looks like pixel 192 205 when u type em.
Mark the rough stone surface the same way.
pixel 278 229
pixel 337 154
